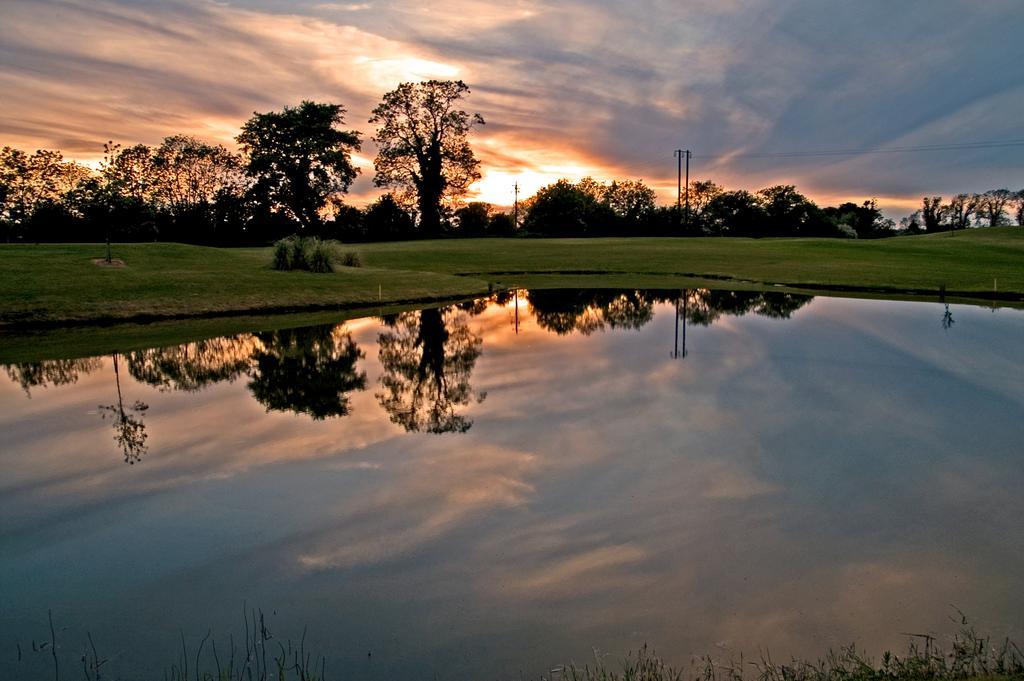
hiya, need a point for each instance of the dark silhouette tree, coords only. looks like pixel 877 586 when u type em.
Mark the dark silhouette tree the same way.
pixel 790 213
pixel 702 193
pixel 473 219
pixel 1017 201
pixel 385 219
pixel 564 311
pixel 129 171
pixel 933 213
pixel 866 220
pixel 947 318
pixel 428 359
pixel 632 201
pixel 706 306
pixel 734 213
pixel 502 224
pixel 307 371
pixel 961 209
pixel 190 367
pixel 297 159
pixel 568 209
pixel 189 173
pixel 992 206
pixel 778 305
pixel 423 147
pixel 50 372
pixel 30 181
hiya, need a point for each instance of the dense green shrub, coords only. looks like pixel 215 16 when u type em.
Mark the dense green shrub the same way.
pixel 282 260
pixel 305 253
pixel 351 259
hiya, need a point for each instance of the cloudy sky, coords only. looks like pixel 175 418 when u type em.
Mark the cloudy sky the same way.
pixel 568 88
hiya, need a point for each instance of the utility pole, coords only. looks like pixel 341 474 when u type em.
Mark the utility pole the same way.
pixel 515 208
pixel 681 154
pixel 678 153
pixel 687 218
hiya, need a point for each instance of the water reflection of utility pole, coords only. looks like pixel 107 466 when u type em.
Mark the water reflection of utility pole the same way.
pixel 517 311
pixel 675 347
pixel 675 350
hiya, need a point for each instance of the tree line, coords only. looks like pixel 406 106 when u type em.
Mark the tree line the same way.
pixel 294 168
pixel 290 175
pixel 994 208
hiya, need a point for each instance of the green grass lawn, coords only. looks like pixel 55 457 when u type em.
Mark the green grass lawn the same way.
pixel 59 284
pixel 968 263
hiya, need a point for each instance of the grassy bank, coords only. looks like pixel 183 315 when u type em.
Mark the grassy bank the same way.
pixel 60 284
pixel 260 656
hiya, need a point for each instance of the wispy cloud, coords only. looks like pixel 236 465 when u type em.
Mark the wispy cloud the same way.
pixel 607 88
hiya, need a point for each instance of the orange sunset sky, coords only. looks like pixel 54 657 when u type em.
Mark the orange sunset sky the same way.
pixel 568 89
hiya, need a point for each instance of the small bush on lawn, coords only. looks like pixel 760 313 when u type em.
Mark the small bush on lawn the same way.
pixel 282 255
pixel 351 259
pixel 304 253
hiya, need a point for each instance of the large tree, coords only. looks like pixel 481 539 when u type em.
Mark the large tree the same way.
pixel 298 158
pixel 1017 201
pixel 933 212
pixel 190 173
pixel 734 213
pixel 631 200
pixel 423 146
pixel 790 213
pixel 567 209
pixel 961 209
pixel 129 171
pixel 992 206
pixel 31 181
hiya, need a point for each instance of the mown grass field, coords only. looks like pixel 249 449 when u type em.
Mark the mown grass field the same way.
pixel 59 287
pixel 60 283
pixel 967 262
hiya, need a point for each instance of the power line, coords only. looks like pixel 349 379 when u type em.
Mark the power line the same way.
pixel 954 146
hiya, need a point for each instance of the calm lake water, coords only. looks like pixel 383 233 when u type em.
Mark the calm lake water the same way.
pixel 489 490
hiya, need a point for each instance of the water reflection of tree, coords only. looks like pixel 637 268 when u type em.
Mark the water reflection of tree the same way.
pixel 50 372
pixel 586 310
pixel 129 427
pixel 306 371
pixel 947 318
pixel 705 306
pixel 193 366
pixel 428 359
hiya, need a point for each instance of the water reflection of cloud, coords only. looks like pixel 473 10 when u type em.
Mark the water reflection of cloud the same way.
pixel 446 485
pixel 790 484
